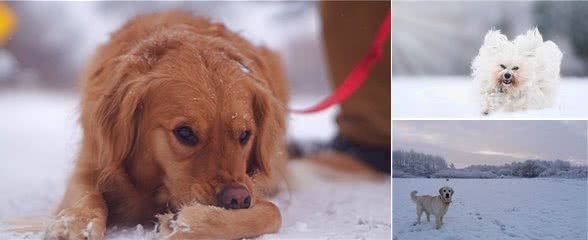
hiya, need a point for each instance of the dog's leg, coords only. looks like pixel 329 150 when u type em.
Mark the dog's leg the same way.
pixel 438 222
pixel 209 222
pixel 83 212
pixel 428 215
pixel 486 106
pixel 419 213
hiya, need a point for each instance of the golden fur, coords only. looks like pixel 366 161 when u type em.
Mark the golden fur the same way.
pixel 158 72
pixel 436 205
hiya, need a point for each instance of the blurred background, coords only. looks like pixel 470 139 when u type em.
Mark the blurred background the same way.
pixel 442 38
pixel 53 40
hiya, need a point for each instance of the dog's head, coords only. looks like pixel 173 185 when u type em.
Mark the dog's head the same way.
pixel 507 64
pixel 446 193
pixel 187 115
pixel 511 73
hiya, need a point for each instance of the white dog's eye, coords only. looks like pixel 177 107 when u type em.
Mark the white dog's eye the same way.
pixel 502 66
pixel 515 68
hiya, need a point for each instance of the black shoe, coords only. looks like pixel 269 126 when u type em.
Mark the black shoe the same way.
pixel 378 158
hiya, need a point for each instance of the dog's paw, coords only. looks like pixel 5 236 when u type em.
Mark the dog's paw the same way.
pixel 193 222
pixel 485 112
pixel 166 224
pixel 175 225
pixel 76 223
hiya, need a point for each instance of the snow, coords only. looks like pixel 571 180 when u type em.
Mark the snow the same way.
pixel 455 97
pixel 39 138
pixel 496 209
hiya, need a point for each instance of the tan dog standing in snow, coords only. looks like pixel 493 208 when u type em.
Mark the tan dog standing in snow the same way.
pixel 436 205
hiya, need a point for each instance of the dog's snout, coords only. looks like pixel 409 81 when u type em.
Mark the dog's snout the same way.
pixel 234 197
pixel 507 78
pixel 447 195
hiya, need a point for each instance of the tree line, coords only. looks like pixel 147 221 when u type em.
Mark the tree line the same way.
pixel 416 164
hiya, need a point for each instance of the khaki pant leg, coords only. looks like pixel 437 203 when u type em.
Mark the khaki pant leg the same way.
pixel 348 31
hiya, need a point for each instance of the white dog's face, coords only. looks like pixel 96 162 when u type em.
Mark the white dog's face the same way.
pixel 511 70
pixel 446 194
pixel 507 63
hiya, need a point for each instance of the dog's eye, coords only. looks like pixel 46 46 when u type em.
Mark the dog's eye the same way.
pixel 244 137
pixel 186 136
pixel 515 68
pixel 502 66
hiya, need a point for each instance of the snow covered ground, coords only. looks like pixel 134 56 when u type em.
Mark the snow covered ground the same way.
pixel 540 208
pixel 39 138
pixel 454 97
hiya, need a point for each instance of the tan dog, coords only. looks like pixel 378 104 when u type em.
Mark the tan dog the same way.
pixel 183 125
pixel 436 205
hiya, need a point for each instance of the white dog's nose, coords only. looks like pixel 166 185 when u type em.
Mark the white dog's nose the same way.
pixel 507 76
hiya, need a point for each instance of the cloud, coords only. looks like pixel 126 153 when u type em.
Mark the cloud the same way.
pixel 494 142
pixel 494 153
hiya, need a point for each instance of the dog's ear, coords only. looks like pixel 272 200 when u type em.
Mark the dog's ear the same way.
pixel 494 38
pixel 440 191
pixel 529 42
pixel 494 42
pixel 117 114
pixel 270 123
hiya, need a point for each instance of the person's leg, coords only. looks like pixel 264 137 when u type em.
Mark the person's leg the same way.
pixel 364 119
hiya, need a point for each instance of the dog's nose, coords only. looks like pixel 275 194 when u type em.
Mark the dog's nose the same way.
pixel 234 197
pixel 507 76
pixel 446 195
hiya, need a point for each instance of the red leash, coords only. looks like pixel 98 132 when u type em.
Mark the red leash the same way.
pixel 359 73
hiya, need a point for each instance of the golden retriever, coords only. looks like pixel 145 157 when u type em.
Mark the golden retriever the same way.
pixel 436 205
pixel 183 125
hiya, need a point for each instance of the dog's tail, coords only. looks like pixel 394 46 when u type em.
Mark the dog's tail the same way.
pixel 413 196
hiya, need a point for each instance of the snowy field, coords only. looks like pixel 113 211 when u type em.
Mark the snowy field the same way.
pixel 493 209
pixel 39 137
pixel 455 97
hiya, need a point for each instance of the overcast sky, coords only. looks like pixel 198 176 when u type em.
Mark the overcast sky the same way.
pixel 467 143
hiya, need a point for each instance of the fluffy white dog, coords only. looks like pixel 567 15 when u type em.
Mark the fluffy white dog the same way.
pixel 517 75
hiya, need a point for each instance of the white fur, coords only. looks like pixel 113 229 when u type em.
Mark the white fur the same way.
pixel 535 82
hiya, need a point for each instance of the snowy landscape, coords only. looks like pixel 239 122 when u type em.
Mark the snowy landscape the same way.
pixel 503 186
pixel 506 209
pixel 408 164
pixel 456 97
pixel 40 137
